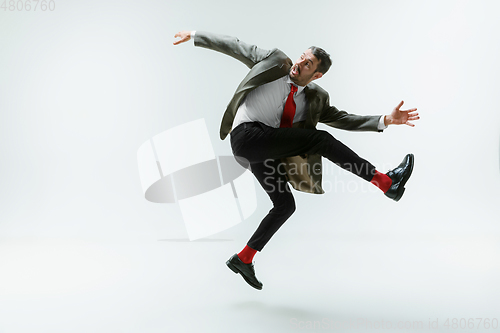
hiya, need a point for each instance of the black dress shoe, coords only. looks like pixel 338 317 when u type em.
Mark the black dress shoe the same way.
pixel 246 270
pixel 399 177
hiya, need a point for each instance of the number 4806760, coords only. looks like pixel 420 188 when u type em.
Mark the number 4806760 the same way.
pixel 28 5
pixel 471 323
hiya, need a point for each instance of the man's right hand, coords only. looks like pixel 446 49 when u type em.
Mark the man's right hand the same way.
pixel 184 37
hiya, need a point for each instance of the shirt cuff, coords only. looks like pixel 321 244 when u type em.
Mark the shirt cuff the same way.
pixel 193 33
pixel 381 125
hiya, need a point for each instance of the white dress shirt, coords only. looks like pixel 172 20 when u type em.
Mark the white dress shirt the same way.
pixel 267 102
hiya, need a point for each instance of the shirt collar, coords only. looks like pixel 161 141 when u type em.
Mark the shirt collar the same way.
pixel 299 88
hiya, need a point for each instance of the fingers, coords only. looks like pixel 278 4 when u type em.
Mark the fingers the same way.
pixel 413 117
pixel 399 105
pixel 410 112
pixel 405 116
pixel 184 37
pixel 182 40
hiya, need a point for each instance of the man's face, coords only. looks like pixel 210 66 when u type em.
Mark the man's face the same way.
pixel 303 70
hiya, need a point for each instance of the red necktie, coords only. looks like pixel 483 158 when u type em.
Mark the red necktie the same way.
pixel 289 111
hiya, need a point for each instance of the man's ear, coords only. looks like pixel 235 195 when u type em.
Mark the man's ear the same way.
pixel 317 75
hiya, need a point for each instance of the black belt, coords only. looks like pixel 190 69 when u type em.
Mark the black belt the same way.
pixel 246 125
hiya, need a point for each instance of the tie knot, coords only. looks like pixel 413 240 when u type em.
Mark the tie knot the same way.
pixel 293 88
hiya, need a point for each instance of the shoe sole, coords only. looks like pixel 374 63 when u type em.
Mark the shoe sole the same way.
pixel 237 271
pixel 405 179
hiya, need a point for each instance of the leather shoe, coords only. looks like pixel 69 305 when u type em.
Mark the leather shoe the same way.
pixel 246 270
pixel 399 177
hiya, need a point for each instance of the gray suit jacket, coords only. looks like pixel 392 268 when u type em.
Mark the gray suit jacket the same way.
pixel 304 172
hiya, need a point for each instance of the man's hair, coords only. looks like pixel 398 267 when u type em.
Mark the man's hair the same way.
pixel 324 59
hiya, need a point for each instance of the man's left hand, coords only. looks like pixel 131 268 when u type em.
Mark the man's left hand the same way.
pixel 400 117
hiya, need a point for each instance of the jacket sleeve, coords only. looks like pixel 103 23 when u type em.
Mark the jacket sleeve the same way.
pixel 231 46
pixel 332 116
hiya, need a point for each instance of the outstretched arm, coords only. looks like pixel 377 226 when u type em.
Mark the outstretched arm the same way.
pixel 341 119
pixel 400 117
pixel 232 46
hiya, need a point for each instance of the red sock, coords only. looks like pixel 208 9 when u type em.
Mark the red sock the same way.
pixel 246 255
pixel 382 181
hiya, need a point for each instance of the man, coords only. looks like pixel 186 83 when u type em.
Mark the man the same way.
pixel 272 120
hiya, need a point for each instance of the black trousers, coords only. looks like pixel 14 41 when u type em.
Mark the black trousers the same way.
pixel 262 147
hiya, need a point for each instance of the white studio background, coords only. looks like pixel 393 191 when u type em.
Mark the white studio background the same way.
pixel 84 85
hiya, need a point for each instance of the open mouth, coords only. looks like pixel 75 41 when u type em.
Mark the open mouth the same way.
pixel 295 70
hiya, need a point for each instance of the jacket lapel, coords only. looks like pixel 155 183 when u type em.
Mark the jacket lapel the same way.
pixel 314 106
pixel 268 70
